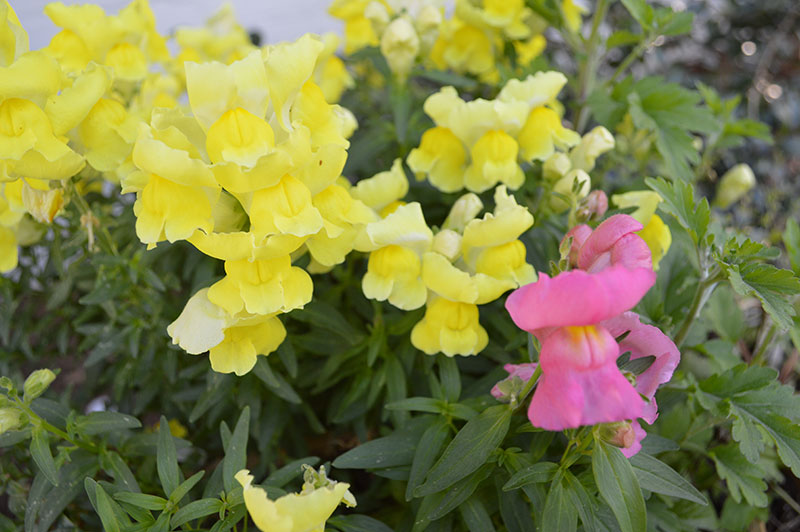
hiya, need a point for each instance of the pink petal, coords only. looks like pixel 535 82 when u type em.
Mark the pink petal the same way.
pixel 614 242
pixel 569 399
pixel 642 341
pixel 580 383
pixel 577 297
pixel 523 371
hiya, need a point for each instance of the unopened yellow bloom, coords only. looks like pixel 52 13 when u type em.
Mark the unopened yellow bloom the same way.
pixel 400 45
pixel 592 145
pixel 566 191
pixel 451 328
pixel 306 511
pixel 494 160
pixel 734 184
pixel 261 287
pixel 441 157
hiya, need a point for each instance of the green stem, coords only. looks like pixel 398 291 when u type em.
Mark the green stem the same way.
pixel 631 57
pixel 528 387
pixel 588 70
pixel 761 350
pixel 708 282
pixel 55 430
pixel 85 209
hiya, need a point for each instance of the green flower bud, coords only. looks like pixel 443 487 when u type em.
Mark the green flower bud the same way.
pixel 10 419
pixel 734 184
pixel 36 383
pixel 619 434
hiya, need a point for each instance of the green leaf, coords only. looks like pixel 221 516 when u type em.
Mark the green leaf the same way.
pixel 390 451
pixel 772 286
pixel 475 515
pixel 290 471
pixel 559 514
pixel 641 11
pixel 430 444
pixel 185 486
pixel 418 404
pixel 46 502
pixel 195 510
pixel 357 523
pixel 103 422
pixel 514 510
pixel 762 410
pixel 102 505
pixel 623 38
pixel 744 479
pixel 469 450
pixel 791 239
pixel 436 505
pixel 533 474
pixel 656 476
pixel 679 202
pixel 275 381
pixel 167 459
pixel 619 486
pixel 141 500
pixel 326 316
pixel 450 377
pixel 236 451
pixel 40 451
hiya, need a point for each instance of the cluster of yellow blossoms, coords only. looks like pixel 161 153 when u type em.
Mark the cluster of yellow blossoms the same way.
pixel 470 41
pixel 480 143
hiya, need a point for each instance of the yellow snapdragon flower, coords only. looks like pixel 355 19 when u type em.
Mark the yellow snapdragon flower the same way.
pixel 451 328
pixel 306 511
pixel 506 16
pixel 441 157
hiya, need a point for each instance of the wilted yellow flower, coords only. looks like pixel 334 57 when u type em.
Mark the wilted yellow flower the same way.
pixel 306 511
pixel 42 202
pixel 449 327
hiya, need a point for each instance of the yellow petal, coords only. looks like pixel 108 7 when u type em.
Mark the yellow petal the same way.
pixel 8 250
pixel 451 328
pixel 441 157
pixel 128 62
pixel 446 280
pixel 165 209
pixel 200 325
pixel 658 238
pixel 405 226
pixel 156 156
pixel 13 38
pixel 383 188
pixel 494 160
pixel 239 136
pixel 393 274
pixel 34 76
pixel 645 201
pixel 288 67
pixel 542 132
pixel 238 352
pixel 284 208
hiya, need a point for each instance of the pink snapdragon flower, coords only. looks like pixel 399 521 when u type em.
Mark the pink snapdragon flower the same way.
pixel 580 383
pixel 613 242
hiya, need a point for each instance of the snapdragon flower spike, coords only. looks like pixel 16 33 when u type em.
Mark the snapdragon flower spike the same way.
pixel 581 384
pixel 613 242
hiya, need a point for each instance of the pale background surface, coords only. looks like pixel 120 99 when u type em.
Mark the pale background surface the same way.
pixel 276 20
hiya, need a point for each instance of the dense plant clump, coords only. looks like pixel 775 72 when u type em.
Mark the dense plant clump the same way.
pixel 466 268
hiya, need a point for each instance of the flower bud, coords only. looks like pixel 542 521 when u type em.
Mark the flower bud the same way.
pixel 593 207
pixel 575 185
pixel 619 434
pixel 556 166
pixel 593 144
pixel 734 184
pixel 10 419
pixel 463 211
pixel 448 243
pixel 36 384
pixel 399 45
pixel 377 14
